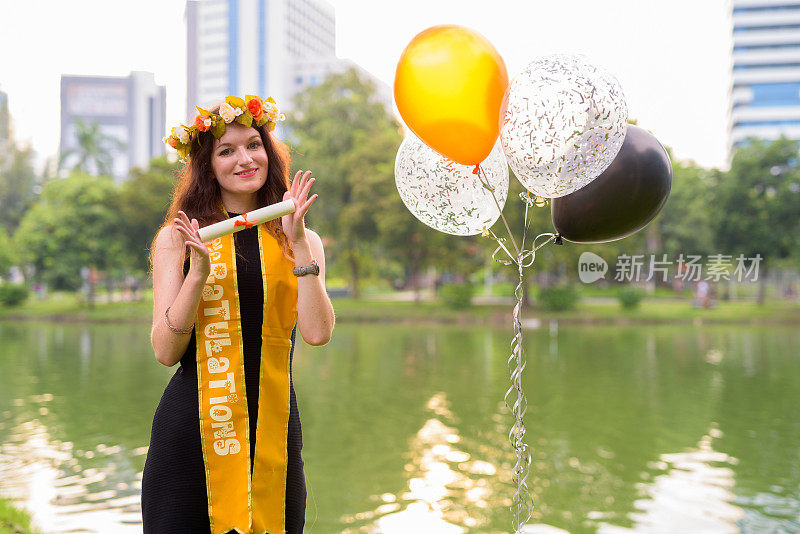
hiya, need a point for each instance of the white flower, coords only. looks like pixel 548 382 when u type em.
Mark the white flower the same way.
pixel 227 112
pixel 207 122
pixel 182 134
pixel 271 111
pixel 282 117
pixel 238 111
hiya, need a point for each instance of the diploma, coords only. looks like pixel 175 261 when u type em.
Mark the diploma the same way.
pixel 246 220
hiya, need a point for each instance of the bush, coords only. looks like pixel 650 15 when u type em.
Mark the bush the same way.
pixel 630 297
pixel 13 294
pixel 558 298
pixel 457 296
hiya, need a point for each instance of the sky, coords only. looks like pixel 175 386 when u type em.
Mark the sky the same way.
pixel 672 59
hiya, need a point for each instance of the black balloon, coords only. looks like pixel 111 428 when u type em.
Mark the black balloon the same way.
pixel 623 199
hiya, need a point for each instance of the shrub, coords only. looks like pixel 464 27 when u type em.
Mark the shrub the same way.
pixel 630 297
pixel 13 294
pixel 558 298
pixel 457 296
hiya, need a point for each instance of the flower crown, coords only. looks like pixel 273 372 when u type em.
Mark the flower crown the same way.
pixel 252 108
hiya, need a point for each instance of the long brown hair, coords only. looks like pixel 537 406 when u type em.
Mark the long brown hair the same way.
pixel 197 193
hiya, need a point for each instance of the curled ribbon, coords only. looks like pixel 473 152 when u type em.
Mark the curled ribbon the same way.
pixel 247 224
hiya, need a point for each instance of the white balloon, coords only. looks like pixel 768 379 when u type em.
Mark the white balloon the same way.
pixel 564 123
pixel 445 195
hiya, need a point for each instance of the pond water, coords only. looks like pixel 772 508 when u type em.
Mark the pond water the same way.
pixel 641 429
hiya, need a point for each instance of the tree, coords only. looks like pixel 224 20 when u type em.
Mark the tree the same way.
pixel 75 224
pixel 685 220
pixel 143 200
pixel 757 204
pixel 8 254
pixel 93 150
pixel 349 139
pixel 17 184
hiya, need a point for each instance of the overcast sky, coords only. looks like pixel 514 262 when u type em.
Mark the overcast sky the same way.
pixel 671 58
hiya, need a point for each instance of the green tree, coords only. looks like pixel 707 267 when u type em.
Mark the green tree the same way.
pixel 75 224
pixel 757 204
pixel 685 221
pixel 93 150
pixel 349 139
pixel 143 200
pixel 17 184
pixel 8 253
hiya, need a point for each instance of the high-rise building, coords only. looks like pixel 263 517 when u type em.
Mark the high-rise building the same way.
pixel 238 47
pixel 130 110
pixel 5 118
pixel 765 97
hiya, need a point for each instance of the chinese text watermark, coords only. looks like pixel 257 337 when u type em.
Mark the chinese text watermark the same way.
pixel 686 267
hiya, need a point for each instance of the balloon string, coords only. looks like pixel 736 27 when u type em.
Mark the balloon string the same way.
pixel 485 182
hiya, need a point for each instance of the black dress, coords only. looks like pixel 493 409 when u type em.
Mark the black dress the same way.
pixel 174 482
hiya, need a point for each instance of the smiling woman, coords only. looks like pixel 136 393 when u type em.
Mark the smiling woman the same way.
pixel 225 450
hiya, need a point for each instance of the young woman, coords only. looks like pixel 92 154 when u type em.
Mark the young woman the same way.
pixel 225 449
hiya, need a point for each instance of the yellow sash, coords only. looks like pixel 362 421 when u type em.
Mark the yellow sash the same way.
pixel 235 500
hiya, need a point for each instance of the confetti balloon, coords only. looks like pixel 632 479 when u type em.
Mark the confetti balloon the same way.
pixel 448 196
pixel 563 122
pixel 449 86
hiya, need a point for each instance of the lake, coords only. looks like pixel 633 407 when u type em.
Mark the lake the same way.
pixel 635 429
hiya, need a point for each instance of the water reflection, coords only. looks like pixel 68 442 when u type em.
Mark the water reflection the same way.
pixel 46 476
pixel 405 428
pixel 693 495
pixel 446 487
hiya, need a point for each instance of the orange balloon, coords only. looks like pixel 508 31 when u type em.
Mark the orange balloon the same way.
pixel 449 85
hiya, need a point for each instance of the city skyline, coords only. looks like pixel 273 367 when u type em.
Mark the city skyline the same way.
pixel 673 62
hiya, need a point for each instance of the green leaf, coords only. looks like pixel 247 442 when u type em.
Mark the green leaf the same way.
pixel 245 119
pixel 271 126
pixel 218 128
pixel 183 151
pixel 264 120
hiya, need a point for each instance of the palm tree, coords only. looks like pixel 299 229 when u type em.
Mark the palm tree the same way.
pixel 93 147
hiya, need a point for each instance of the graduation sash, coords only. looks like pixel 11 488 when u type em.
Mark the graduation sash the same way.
pixel 236 500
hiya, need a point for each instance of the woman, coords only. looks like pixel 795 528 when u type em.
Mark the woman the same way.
pixel 225 449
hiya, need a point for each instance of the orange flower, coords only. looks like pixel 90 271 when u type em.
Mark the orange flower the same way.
pixel 203 123
pixel 256 108
pixel 173 142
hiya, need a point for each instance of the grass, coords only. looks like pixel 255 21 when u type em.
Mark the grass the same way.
pixel 13 520
pixel 70 308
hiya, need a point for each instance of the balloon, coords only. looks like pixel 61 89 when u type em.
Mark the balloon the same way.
pixel 563 121
pixel 445 195
pixel 449 85
pixel 622 200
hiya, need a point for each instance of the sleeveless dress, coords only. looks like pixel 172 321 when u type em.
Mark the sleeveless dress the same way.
pixel 174 482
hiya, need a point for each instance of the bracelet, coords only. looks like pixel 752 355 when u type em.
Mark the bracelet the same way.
pixel 307 269
pixel 176 330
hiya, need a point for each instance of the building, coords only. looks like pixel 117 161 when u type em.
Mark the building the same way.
pixel 238 47
pixel 765 97
pixel 130 110
pixel 262 47
pixel 5 118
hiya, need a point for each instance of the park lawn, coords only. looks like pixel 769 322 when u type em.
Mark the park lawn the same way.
pixel 681 311
pixel 13 520
pixel 68 307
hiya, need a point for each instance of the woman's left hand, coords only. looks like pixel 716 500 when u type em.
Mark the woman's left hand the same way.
pixel 294 223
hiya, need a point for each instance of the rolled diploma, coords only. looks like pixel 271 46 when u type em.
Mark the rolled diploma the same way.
pixel 252 218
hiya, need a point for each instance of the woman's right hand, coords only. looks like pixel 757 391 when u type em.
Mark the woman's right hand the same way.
pixel 199 261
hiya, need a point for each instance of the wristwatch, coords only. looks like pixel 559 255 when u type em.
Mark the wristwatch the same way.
pixel 307 269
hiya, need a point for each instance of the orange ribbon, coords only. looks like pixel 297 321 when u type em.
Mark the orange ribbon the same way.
pixel 247 224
